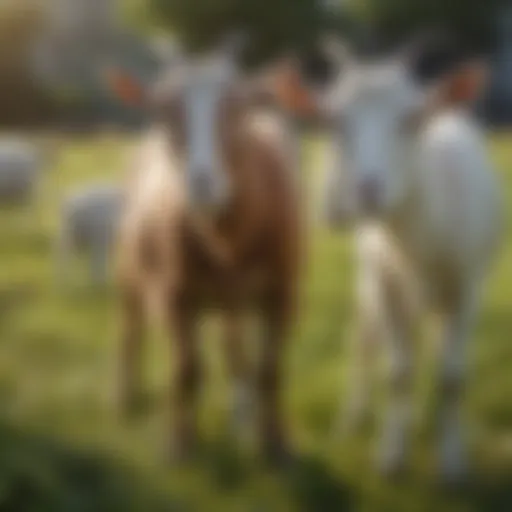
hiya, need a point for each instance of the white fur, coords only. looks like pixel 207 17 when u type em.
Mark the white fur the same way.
pixel 206 81
pixel 370 107
pixel 157 195
pixel 20 171
pixel 429 245
pixel 89 222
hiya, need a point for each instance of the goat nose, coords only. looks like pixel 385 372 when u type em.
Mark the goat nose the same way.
pixel 370 192
pixel 201 184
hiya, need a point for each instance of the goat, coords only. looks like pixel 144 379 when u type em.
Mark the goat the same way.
pixel 20 170
pixel 427 214
pixel 211 222
pixel 89 223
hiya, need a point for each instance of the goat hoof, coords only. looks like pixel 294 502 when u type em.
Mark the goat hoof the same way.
pixel 181 452
pixel 393 473
pixel 279 457
pixel 178 457
pixel 453 468
pixel 352 424
pixel 392 468
pixel 454 478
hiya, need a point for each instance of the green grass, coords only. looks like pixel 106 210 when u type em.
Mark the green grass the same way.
pixel 62 448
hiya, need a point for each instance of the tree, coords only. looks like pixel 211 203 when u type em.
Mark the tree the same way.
pixel 280 24
pixel 472 20
pixel 22 100
pixel 271 28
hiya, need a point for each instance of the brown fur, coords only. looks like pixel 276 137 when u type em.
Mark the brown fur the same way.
pixel 247 256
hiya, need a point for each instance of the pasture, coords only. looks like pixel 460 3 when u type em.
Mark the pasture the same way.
pixel 62 447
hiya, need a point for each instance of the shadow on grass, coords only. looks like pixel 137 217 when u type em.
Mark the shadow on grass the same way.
pixel 308 481
pixel 480 493
pixel 314 487
pixel 38 474
pixel 490 494
pixel 42 474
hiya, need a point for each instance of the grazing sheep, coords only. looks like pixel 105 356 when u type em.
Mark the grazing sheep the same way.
pixel 21 166
pixel 212 222
pixel 89 223
pixel 428 224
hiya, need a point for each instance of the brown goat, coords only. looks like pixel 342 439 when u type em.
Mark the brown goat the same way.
pixel 243 254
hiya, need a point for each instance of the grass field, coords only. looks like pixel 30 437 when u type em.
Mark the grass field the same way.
pixel 62 448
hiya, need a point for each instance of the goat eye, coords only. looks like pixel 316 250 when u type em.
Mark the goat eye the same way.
pixel 412 122
pixel 342 126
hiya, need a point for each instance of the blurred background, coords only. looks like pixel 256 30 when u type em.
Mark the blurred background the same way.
pixel 61 446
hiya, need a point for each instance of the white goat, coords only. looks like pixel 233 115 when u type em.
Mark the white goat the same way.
pixel 89 223
pixel 21 166
pixel 428 224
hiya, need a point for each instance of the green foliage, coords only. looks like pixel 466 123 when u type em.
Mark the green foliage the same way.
pixel 272 27
pixel 136 14
pixel 295 23
pixel 41 475
pixel 473 19
pixel 21 99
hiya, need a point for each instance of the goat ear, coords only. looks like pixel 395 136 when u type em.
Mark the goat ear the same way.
pixel 325 62
pixel 466 84
pixel 292 94
pixel 433 56
pixel 336 50
pixel 125 87
pixel 234 44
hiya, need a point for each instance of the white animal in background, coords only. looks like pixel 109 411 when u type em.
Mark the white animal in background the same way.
pixel 21 168
pixel 89 224
pixel 428 224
